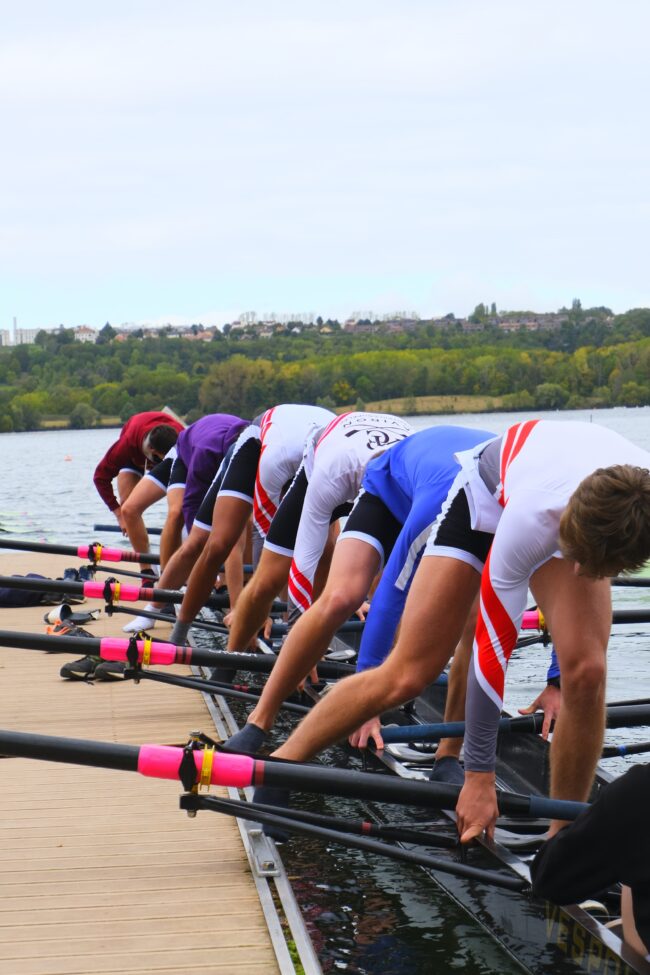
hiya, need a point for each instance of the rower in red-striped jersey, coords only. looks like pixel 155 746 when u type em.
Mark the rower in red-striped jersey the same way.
pixel 570 506
pixel 327 482
pixel 264 461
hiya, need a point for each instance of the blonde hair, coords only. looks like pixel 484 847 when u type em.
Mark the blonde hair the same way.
pixel 606 523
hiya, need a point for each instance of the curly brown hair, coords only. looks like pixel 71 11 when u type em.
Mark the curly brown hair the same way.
pixel 606 524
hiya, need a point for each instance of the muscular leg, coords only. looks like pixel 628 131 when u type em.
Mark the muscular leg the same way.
pixel 171 538
pixel 434 616
pixel 579 614
pixel 354 565
pixel 234 568
pixel 180 564
pixel 145 493
pixel 228 522
pixel 253 606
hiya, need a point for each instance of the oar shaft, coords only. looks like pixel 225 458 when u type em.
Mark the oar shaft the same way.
pixel 159 652
pixel 617 717
pixel 116 528
pixel 98 590
pixel 240 771
pixel 93 552
pixel 533 620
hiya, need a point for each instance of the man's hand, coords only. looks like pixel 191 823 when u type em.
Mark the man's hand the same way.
pixel 120 520
pixel 371 729
pixel 477 808
pixel 363 609
pixel 549 702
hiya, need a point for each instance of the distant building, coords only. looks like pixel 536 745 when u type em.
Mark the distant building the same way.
pixel 83 333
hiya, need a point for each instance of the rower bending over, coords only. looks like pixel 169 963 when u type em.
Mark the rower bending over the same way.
pixel 608 533
pixel 403 491
pixel 322 491
pixel 185 475
pixel 144 440
pixel 265 459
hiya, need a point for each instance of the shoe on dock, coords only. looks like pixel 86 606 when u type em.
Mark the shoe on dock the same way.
pixel 82 669
pixel 110 670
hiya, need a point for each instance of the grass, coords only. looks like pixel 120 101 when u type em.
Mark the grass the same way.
pixel 413 405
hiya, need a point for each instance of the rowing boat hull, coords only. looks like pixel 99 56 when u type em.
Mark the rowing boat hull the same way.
pixel 542 937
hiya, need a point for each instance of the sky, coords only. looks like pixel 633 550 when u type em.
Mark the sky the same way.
pixel 166 162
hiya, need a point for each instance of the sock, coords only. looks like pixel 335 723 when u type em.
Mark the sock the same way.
pixel 448 770
pixel 179 633
pixel 249 739
pixel 272 796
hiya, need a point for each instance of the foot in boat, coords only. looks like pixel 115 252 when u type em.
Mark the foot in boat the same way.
pixel 267 795
pixel 82 669
pixel 448 770
pixel 249 739
pixel 223 675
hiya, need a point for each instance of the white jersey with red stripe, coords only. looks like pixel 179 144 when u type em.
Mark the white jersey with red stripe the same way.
pixel 542 462
pixel 334 464
pixel 284 430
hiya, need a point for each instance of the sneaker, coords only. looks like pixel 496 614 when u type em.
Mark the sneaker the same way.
pixel 110 670
pixel 82 669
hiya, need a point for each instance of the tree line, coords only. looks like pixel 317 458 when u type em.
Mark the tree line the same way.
pixel 584 364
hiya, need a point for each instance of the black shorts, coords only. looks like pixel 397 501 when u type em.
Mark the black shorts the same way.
pixel 177 475
pixel 452 534
pixel 236 474
pixel 372 522
pixel 283 532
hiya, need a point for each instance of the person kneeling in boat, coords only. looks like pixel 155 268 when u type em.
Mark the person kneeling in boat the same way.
pixel 403 491
pixel 607 844
pixel 518 487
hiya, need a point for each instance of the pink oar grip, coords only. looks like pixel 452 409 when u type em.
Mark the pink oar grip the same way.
pixel 530 620
pixel 129 594
pixel 163 762
pixel 113 648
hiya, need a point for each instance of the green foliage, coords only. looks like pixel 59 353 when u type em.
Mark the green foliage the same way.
pixel 593 359
pixel 83 416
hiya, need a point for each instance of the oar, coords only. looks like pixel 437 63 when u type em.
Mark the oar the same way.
pixel 154 652
pixel 209 686
pixel 116 528
pixel 534 620
pixel 616 751
pixel 619 717
pixel 93 552
pixel 241 771
pixel 259 814
pixel 106 590
pixel 641 581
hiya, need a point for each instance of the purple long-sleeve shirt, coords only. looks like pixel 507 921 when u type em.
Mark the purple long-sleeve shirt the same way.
pixel 201 447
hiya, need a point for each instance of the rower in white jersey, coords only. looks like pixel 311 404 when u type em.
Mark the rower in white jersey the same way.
pixel 570 505
pixel 265 459
pixel 327 482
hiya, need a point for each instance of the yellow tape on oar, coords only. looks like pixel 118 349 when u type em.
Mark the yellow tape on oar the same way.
pixel 146 651
pixel 97 552
pixel 116 590
pixel 542 621
pixel 206 768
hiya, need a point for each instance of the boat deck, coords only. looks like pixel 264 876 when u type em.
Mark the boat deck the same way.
pixel 100 872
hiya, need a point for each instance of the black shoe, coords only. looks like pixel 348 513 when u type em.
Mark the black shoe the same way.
pixel 269 795
pixel 250 739
pixel 448 770
pixel 223 675
pixel 110 670
pixel 82 669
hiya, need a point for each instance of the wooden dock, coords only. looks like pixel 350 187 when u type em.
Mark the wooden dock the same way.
pixel 100 872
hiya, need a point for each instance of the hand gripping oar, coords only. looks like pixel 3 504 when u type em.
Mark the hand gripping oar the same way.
pixel 205 767
pixel 109 590
pixel 155 652
pixel 533 619
pixel 617 717
pixel 93 552
pixel 268 815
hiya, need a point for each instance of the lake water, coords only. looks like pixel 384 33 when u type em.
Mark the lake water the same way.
pixel 366 915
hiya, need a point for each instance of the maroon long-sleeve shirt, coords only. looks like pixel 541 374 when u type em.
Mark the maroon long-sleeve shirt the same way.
pixel 126 452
